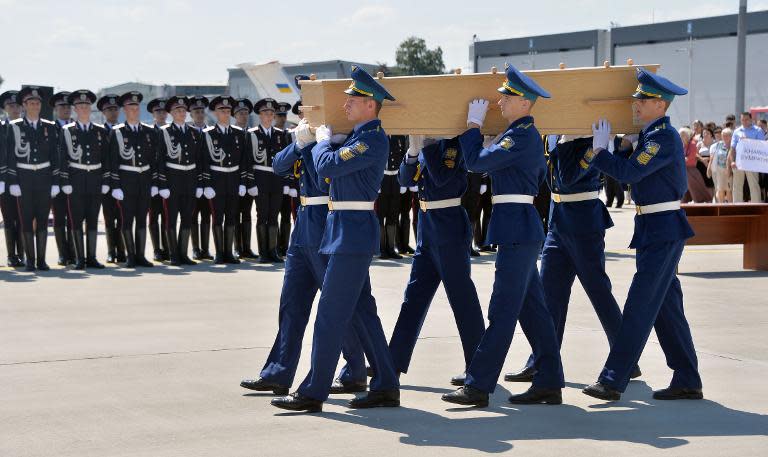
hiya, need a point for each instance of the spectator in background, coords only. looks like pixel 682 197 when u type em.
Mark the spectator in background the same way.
pixel 698 127
pixel 718 168
pixel 719 134
pixel 764 126
pixel 730 118
pixel 697 190
pixel 747 131
pixel 707 140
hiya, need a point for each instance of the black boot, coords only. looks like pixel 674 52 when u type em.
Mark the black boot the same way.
pixel 284 235
pixel 130 248
pixel 154 237
pixel 77 238
pixel 538 396
pixel 468 396
pixel 110 234
pixel 247 252
pixel 272 247
pixel 10 246
pixel 218 240
pixel 261 240
pixel 377 399
pixel 205 241
pixel 61 245
pixel 19 246
pixel 195 235
pixel 42 240
pixel 120 247
pixel 141 246
pixel 391 230
pixel 404 238
pixel 184 234
pixel 71 253
pixel 173 247
pixel 29 250
pixel 229 240
pixel 383 251
pixel 238 241
pixel 91 239
pixel 165 250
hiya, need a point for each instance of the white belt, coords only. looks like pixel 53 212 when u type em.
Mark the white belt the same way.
pixel 580 197
pixel 512 198
pixel 81 166
pixel 311 201
pixel 176 166
pixel 264 168
pixel 29 166
pixel 391 172
pixel 658 207
pixel 350 206
pixel 439 204
pixel 225 169
pixel 134 169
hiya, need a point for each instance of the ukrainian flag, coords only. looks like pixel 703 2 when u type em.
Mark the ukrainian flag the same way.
pixel 284 88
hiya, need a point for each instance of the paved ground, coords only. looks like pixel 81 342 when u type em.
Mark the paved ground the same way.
pixel 124 363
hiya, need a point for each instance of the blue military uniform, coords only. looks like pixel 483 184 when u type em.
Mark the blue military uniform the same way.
pixel 656 172
pixel 517 168
pixel 350 239
pixel 442 251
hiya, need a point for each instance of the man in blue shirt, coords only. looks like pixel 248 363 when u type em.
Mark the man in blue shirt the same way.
pixel 750 131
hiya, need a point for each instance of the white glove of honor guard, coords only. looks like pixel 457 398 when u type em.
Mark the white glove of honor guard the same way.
pixel 601 135
pixel 117 194
pixel 477 110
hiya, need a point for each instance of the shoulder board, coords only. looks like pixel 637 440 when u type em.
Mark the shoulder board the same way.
pixel 661 127
pixel 377 129
pixel 525 126
pixel 277 129
pixel 253 129
pixel 47 121
pixel 118 126
pixel 208 129
pixel 165 126
pixel 148 126
pixel 16 121
pixel 70 125
pixel 99 125
pixel 236 127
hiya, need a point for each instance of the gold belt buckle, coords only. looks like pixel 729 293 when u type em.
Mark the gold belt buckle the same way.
pixel 638 210
pixel 303 200
pixel 423 206
pixel 556 198
pixel 330 205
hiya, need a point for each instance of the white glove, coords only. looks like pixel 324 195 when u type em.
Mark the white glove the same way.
pixel 477 111
pixel 483 188
pixel 165 193
pixel 293 193
pixel 414 188
pixel 209 192
pixel 15 190
pixel 285 190
pixel 415 145
pixel 117 194
pixel 104 189
pixel 338 138
pixel 66 189
pixel 303 134
pixel 323 133
pixel 253 191
pixel 198 192
pixel 241 190
pixel 55 191
pixel 551 142
pixel 2 187
pixel 403 189
pixel 153 191
pixel 601 135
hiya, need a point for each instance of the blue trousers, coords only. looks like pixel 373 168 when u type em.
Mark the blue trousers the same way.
pixel 563 259
pixel 655 300
pixel 431 265
pixel 304 272
pixel 517 293
pixel 346 300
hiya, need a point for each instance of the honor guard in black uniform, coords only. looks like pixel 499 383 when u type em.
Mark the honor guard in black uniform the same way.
pixel 180 177
pixel 62 112
pixel 9 102
pixel 85 174
pixel 242 112
pixel 290 185
pixel 471 201
pixel 226 174
pixel 484 207
pixel 132 158
pixel 156 107
pixel 404 220
pixel 110 109
pixel 264 142
pixel 33 173
pixel 201 217
pixel 388 201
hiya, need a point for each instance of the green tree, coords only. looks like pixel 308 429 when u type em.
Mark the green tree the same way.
pixel 414 58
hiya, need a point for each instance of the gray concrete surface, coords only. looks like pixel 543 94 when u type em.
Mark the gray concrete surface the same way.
pixel 147 363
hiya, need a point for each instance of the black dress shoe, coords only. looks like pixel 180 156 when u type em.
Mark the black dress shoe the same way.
pixel 93 263
pixel 377 399
pixel 603 392
pixel 143 262
pixel 298 402
pixel 524 375
pixel 121 258
pixel 487 248
pixel 42 266
pixel 339 387
pixel 369 372
pixel 80 265
pixel 458 380
pixel 262 385
pixel 467 395
pixel 15 262
pixel 636 373
pixel 678 393
pixel 538 396
pixel 474 253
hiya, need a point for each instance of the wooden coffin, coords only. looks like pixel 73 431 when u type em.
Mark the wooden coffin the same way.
pixel 437 105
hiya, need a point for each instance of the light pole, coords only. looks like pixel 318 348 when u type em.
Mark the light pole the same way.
pixel 689 50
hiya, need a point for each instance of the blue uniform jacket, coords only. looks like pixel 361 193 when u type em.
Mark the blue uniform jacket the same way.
pixel 355 170
pixel 516 165
pixel 655 170
pixel 441 174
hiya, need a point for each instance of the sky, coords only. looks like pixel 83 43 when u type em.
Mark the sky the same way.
pixel 92 44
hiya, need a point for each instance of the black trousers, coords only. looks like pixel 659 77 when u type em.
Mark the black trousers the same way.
pixel 134 208
pixel 246 205
pixel 203 210
pixel 179 206
pixel 111 212
pixel 60 211
pixel 34 205
pixel 388 208
pixel 613 190
pixel 84 207
pixel 484 207
pixel 9 207
pixel 225 207
pixel 268 207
